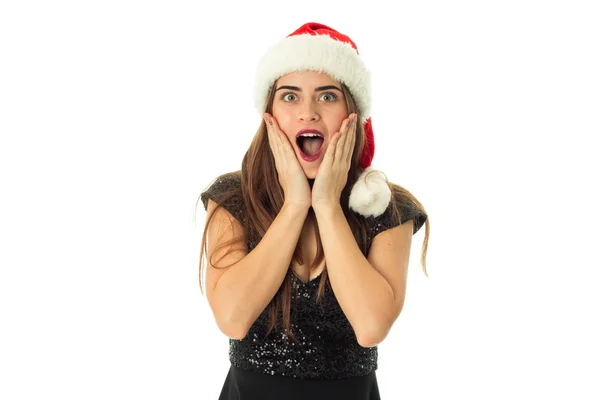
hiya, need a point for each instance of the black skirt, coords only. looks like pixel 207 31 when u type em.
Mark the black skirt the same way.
pixel 250 385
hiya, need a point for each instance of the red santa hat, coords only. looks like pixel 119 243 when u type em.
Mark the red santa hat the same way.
pixel 317 47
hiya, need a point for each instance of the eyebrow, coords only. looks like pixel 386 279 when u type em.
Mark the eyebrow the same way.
pixel 320 88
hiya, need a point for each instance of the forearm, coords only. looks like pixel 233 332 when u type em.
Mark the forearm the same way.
pixel 247 287
pixel 364 295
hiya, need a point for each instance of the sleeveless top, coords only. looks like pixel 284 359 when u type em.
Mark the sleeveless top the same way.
pixel 327 347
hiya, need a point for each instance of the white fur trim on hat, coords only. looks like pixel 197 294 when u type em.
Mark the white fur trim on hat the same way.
pixel 370 195
pixel 317 53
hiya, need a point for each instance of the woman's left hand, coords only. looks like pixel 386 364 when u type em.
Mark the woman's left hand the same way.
pixel 333 172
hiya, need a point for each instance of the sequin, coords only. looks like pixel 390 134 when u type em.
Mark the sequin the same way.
pixel 327 347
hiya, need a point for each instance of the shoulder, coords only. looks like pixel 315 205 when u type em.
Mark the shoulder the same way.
pixel 221 186
pixel 226 191
pixel 403 207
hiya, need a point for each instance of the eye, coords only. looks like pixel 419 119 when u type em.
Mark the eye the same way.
pixel 285 97
pixel 332 96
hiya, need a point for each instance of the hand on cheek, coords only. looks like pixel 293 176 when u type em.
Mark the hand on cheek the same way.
pixel 333 172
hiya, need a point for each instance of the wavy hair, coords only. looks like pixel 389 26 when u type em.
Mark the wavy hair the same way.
pixel 263 198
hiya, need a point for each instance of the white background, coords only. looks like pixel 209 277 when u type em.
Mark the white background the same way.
pixel 115 115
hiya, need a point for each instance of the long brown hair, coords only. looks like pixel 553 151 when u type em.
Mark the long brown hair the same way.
pixel 263 198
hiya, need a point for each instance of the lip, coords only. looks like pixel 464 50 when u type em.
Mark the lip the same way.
pixel 300 132
pixel 318 153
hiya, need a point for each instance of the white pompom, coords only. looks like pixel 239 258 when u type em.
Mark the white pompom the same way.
pixel 370 196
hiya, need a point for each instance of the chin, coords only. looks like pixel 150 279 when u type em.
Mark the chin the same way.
pixel 311 173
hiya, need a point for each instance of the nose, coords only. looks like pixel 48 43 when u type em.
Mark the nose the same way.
pixel 308 113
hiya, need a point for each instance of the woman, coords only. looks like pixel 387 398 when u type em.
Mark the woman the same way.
pixel 308 246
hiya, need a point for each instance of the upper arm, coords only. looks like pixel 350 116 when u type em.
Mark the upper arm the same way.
pixel 223 228
pixel 389 255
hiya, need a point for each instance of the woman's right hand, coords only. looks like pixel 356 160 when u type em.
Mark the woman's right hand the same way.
pixel 292 178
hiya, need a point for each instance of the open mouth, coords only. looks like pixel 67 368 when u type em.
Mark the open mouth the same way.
pixel 310 146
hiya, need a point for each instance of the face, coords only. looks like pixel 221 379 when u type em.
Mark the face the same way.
pixel 309 100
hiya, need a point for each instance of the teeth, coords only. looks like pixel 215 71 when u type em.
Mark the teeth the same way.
pixel 310 135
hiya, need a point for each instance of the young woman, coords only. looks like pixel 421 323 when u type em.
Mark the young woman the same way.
pixel 308 245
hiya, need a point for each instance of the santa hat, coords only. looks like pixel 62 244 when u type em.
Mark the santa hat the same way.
pixel 317 47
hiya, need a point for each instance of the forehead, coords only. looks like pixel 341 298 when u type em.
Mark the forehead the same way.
pixel 307 78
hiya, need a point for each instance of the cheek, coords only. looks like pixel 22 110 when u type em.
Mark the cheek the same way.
pixel 340 115
pixel 285 121
pixel 281 112
pixel 337 122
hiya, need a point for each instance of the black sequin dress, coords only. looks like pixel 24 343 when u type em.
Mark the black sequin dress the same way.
pixel 326 361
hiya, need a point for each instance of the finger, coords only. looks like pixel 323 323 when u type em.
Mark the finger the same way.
pixel 273 142
pixel 266 117
pixel 343 145
pixel 340 145
pixel 332 148
pixel 350 140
